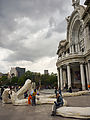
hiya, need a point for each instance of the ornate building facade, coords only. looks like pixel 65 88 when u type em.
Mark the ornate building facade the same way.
pixel 73 64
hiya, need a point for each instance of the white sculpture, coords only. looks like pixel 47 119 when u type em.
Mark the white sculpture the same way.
pixel 5 96
pixel 17 100
pixel 79 93
pixel 75 112
pixel 15 97
pixel 45 99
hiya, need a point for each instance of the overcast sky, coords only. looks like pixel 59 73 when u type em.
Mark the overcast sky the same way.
pixel 30 31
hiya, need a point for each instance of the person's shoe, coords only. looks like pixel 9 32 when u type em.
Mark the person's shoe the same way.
pixel 52 113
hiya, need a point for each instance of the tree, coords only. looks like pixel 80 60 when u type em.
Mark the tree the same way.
pixel 49 80
pixel 4 81
pixel 39 79
pixel 21 80
pixel 13 81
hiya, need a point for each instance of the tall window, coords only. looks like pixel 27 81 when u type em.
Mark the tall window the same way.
pixel 81 38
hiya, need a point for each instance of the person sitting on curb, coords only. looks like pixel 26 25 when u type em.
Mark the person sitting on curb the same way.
pixel 69 90
pixel 57 104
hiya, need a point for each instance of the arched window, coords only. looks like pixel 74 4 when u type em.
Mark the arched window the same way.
pixel 77 36
pixel 81 38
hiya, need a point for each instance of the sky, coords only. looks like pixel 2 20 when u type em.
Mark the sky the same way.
pixel 30 32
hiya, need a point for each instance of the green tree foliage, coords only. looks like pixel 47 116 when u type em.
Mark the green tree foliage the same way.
pixel 49 80
pixel 39 79
pixel 13 81
pixel 21 80
pixel 4 81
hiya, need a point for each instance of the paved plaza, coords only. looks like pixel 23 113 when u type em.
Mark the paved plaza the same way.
pixel 40 112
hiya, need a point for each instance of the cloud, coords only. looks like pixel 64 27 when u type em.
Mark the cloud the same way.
pixel 4 53
pixel 30 31
pixel 31 46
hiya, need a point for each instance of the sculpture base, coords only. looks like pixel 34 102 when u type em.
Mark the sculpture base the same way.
pixel 74 112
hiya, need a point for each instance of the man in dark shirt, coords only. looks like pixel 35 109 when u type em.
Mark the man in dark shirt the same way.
pixel 57 104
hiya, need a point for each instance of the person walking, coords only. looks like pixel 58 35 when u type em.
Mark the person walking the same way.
pixel 34 97
pixel 60 91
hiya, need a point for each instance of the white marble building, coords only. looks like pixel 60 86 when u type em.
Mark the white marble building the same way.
pixel 73 64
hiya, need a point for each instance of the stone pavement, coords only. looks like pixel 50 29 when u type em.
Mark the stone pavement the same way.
pixel 78 101
pixel 39 112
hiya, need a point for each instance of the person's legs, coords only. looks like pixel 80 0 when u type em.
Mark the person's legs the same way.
pixel 54 110
pixel 35 100
pixel 32 100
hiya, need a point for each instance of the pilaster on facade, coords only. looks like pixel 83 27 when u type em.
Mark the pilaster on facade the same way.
pixel 72 48
pixel 82 76
pixel 78 47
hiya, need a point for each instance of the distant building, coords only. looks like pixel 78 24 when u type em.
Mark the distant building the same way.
pixel 17 71
pixel 46 72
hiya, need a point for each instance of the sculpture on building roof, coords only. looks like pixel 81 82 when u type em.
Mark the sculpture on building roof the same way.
pixel 67 19
pixel 75 3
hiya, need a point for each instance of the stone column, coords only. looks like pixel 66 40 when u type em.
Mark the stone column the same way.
pixel 72 48
pixel 76 47
pixel 64 78
pixel 69 76
pixel 87 75
pixel 82 76
pixel 58 77
pixel 63 54
pixel 61 78
pixel 66 54
pixel 89 72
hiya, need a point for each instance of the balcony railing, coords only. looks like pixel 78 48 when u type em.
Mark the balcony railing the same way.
pixel 70 54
